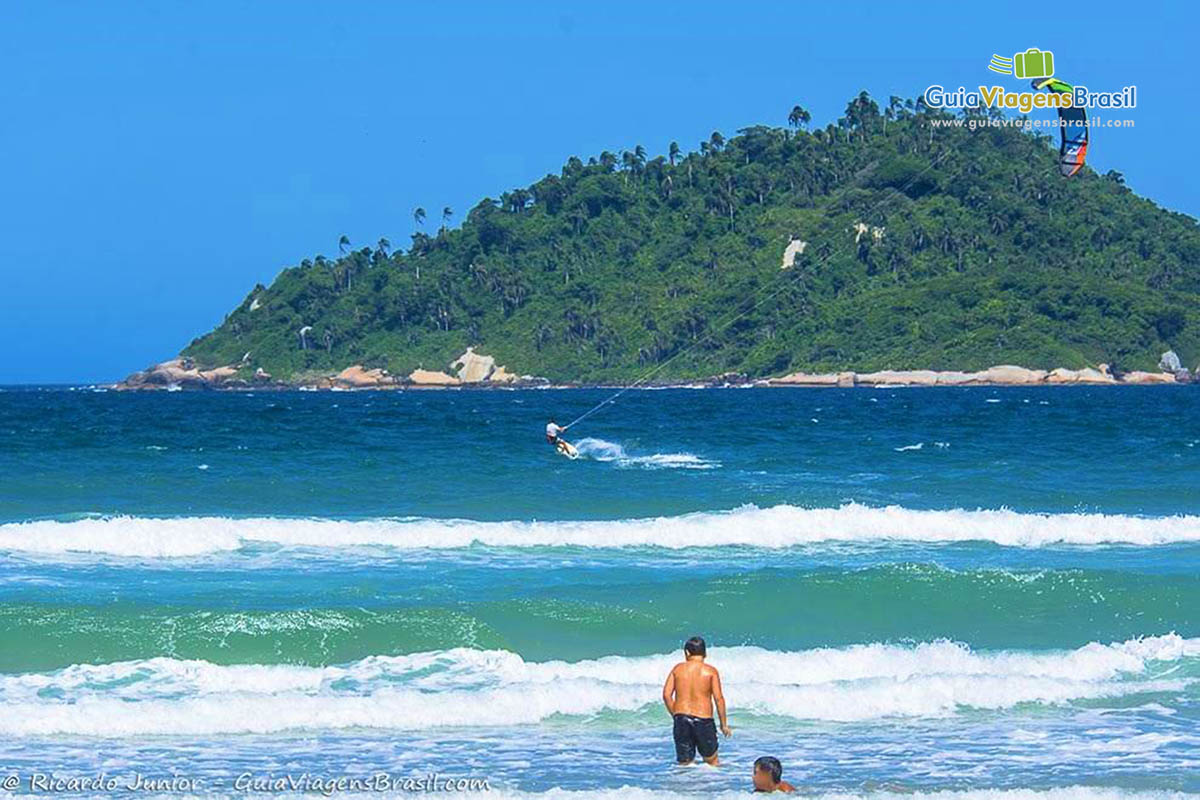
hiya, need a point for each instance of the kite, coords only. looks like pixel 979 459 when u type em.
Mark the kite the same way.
pixel 1072 127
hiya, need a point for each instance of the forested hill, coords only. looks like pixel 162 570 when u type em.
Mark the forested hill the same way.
pixel 927 246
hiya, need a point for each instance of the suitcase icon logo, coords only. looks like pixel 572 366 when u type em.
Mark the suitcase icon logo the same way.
pixel 1033 63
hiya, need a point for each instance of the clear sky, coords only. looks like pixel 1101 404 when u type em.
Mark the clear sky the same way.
pixel 161 158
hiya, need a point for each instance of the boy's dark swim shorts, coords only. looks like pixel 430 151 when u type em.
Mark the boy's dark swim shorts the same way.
pixel 692 734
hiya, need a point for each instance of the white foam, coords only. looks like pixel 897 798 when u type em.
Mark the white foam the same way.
pixel 468 688
pixel 1057 793
pixel 601 450
pixel 642 793
pixel 748 526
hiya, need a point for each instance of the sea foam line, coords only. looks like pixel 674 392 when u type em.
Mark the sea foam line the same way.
pixel 474 688
pixel 1057 793
pixel 749 526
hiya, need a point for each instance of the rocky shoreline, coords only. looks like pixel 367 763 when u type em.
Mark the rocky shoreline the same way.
pixel 472 370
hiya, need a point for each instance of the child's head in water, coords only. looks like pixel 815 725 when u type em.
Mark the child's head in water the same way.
pixel 768 776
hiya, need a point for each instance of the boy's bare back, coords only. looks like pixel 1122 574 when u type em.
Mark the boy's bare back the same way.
pixel 694 688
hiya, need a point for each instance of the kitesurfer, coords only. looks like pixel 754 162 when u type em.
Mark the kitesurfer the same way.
pixel 554 432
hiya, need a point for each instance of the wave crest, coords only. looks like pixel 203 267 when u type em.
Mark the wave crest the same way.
pixel 472 688
pixel 749 526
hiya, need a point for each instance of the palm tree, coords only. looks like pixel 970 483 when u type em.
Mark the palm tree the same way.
pixel 867 108
pixel 447 213
pixel 419 244
pixel 384 246
pixel 717 140
pixel 343 243
pixel 799 116
pixel 673 152
pixel 633 161
pixel 514 201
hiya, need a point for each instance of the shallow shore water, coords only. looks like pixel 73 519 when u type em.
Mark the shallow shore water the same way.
pixel 984 592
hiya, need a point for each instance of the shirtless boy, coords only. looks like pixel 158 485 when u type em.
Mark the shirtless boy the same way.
pixel 689 694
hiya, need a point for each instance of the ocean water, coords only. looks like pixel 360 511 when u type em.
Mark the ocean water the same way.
pixel 963 592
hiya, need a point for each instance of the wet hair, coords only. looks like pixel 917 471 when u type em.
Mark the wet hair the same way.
pixel 770 765
pixel 695 646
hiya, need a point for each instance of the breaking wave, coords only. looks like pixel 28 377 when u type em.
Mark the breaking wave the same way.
pixel 749 526
pixel 473 688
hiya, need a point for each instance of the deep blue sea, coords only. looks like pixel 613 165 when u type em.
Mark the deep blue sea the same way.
pixel 970 591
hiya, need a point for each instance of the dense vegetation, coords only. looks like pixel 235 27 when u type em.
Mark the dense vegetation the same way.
pixel 623 263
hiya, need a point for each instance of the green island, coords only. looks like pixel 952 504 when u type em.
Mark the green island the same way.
pixel 891 239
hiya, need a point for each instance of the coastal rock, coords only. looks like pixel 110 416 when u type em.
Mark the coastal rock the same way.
pixel 425 377
pixel 729 379
pixel 1085 375
pixel 219 374
pixel 795 248
pixel 472 367
pixel 501 375
pixel 358 377
pixel 1001 375
pixel 806 379
pixel 180 372
pixel 1144 378
pixel 1169 362
pixel 1008 374
pixel 957 378
pixel 913 377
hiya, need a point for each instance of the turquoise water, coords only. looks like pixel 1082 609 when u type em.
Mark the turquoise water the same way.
pixel 943 590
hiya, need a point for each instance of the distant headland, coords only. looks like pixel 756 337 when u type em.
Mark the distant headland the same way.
pixel 472 370
pixel 886 243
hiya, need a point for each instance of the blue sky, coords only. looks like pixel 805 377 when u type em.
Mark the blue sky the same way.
pixel 159 159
